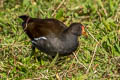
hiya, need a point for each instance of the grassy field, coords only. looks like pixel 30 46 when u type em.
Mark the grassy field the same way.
pixel 97 58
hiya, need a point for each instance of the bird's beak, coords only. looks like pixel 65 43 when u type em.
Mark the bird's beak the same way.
pixel 83 32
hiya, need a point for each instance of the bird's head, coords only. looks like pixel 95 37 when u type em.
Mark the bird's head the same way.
pixel 77 29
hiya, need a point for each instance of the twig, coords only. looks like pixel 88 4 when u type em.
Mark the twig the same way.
pixel 92 36
pixel 58 7
pixel 116 18
pixel 58 77
pixel 99 15
pixel 94 50
pixel 92 58
pixel 79 61
pixel 13 45
pixel 105 11
pixel 1 3
pixel 26 24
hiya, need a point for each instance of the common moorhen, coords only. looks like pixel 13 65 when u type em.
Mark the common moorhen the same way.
pixel 52 36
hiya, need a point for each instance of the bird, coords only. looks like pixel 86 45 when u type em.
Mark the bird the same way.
pixel 52 36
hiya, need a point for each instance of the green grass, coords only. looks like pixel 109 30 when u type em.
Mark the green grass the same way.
pixel 102 21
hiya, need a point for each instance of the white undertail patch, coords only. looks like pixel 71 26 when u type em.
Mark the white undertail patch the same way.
pixel 34 42
pixel 40 38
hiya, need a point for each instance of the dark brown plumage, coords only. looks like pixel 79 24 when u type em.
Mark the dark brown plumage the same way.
pixel 52 36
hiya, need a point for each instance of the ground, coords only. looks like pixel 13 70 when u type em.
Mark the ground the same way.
pixel 97 57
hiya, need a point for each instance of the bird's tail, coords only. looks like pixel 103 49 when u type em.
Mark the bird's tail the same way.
pixel 24 17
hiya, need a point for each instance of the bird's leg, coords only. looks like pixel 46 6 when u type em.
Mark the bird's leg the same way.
pixel 33 51
pixel 34 54
pixel 54 60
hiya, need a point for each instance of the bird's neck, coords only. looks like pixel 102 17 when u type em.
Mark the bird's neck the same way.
pixel 70 37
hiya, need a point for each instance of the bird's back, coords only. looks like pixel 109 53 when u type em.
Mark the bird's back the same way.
pixel 43 27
